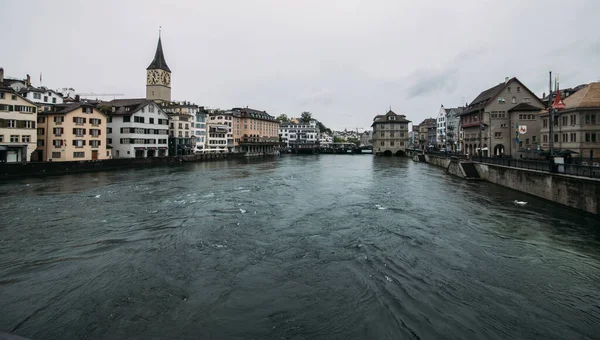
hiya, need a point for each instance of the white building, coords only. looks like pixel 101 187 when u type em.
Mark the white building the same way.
pixel 18 118
pixel 299 134
pixel 220 132
pixel 136 128
pixel 441 126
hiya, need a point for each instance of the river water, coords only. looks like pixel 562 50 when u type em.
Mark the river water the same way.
pixel 298 247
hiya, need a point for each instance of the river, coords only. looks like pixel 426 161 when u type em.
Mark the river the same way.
pixel 297 247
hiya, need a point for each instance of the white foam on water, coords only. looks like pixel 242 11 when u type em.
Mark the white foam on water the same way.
pixel 388 278
pixel 209 195
pixel 379 207
pixel 97 196
pixel 242 211
pixel 245 190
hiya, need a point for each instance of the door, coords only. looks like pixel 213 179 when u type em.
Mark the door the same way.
pixel 94 155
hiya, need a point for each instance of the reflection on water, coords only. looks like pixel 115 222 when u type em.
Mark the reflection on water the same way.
pixel 326 246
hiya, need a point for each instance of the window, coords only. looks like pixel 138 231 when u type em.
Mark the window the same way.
pixel 545 123
pixel 53 100
pixel 138 119
pixel 78 143
pixel 109 140
pixel 151 120
pixel 514 100
pixel 25 139
pixel 534 139
pixel 45 99
pixel 180 125
pixel 78 120
pixel 57 143
pixel 555 121
pixel 14 138
pixel 498 135
pixel 565 120
pixel 565 137
pixel 143 110
pixel 556 138
pixel 383 134
pixel 78 132
pixel 501 100
pixel 78 154
pixel 59 119
pixel 37 96
pixel 1 138
pixel 382 143
pixel 95 132
pixel 593 119
pixel 151 109
pixel 95 143
pixel 509 89
pixel 545 138
pixel 108 130
pixel 521 144
pixel 593 138
pixel 503 125
pixel 587 137
pixel 573 119
pixel 12 123
pixel 95 121
pixel 392 143
pixel 58 131
pixel 56 155
pixel 526 99
pixel 109 119
pixel 126 119
pixel 518 89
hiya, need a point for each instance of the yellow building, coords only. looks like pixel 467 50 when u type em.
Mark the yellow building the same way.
pixel 258 131
pixel 72 132
pixel 17 125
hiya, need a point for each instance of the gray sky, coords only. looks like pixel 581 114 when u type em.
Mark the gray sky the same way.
pixel 345 61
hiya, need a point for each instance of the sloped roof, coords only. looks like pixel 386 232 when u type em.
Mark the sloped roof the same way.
pixel 589 96
pixel 383 118
pixel 120 105
pixel 66 108
pixel 484 97
pixel 525 107
pixel 159 62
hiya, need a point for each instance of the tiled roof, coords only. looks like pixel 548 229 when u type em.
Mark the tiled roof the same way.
pixel 484 97
pixel 120 105
pixel 159 62
pixel 589 96
pixel 383 119
pixel 525 107
pixel 65 108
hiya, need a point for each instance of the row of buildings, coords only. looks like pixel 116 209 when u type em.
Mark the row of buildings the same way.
pixel 40 124
pixel 510 120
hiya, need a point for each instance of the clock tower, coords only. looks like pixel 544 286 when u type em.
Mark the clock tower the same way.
pixel 158 77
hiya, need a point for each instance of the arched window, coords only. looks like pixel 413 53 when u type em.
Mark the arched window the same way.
pixel 514 100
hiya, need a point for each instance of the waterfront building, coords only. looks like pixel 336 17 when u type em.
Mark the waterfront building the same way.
pixel 366 138
pixel 136 128
pixel 220 128
pixel 390 134
pixel 158 77
pixel 485 121
pixel 182 116
pixel 427 133
pixel 259 131
pixel 199 129
pixel 299 135
pixel 18 116
pixel 453 128
pixel 525 123
pixel 577 126
pixel 440 136
pixel 72 132
pixel 325 140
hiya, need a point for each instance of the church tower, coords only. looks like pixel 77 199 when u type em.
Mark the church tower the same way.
pixel 158 77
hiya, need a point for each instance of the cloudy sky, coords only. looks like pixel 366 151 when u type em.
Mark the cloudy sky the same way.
pixel 345 61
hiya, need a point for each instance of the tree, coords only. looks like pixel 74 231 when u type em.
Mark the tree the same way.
pixel 306 117
pixel 337 139
pixel 283 118
pixel 354 140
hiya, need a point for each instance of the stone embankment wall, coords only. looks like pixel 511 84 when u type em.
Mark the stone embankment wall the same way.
pixel 576 192
pixel 59 168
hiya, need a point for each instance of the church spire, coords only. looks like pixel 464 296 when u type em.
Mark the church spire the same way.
pixel 159 62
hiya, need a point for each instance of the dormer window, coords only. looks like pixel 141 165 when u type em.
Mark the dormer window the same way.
pixel 391 118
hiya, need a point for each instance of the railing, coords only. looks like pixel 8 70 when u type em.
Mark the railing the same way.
pixel 546 166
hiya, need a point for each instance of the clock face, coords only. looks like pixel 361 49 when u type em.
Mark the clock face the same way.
pixel 156 77
pixel 166 79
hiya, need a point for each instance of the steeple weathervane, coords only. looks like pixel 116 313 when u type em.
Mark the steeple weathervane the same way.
pixel 159 62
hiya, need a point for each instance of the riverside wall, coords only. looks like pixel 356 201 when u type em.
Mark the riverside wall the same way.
pixel 576 192
pixel 37 169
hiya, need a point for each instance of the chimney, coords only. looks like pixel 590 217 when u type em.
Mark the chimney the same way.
pixel 28 82
pixel 1 74
pixel 506 80
pixel 76 97
pixel 543 95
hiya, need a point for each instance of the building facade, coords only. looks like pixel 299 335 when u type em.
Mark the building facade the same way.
pixel 427 133
pixel 136 128
pixel 577 126
pixel 259 132
pixel 440 135
pixel 524 120
pixel 300 135
pixel 220 127
pixel 18 118
pixel 390 134
pixel 72 132
pixel 485 121
pixel 199 129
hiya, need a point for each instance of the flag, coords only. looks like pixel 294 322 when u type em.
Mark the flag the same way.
pixel 517 133
pixel 558 103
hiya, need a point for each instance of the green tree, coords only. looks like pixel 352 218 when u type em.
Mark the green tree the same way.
pixel 283 118
pixel 354 140
pixel 338 139
pixel 306 117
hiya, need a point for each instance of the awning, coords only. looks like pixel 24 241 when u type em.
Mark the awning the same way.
pixel 162 148
pixel 139 148
pixel 151 148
